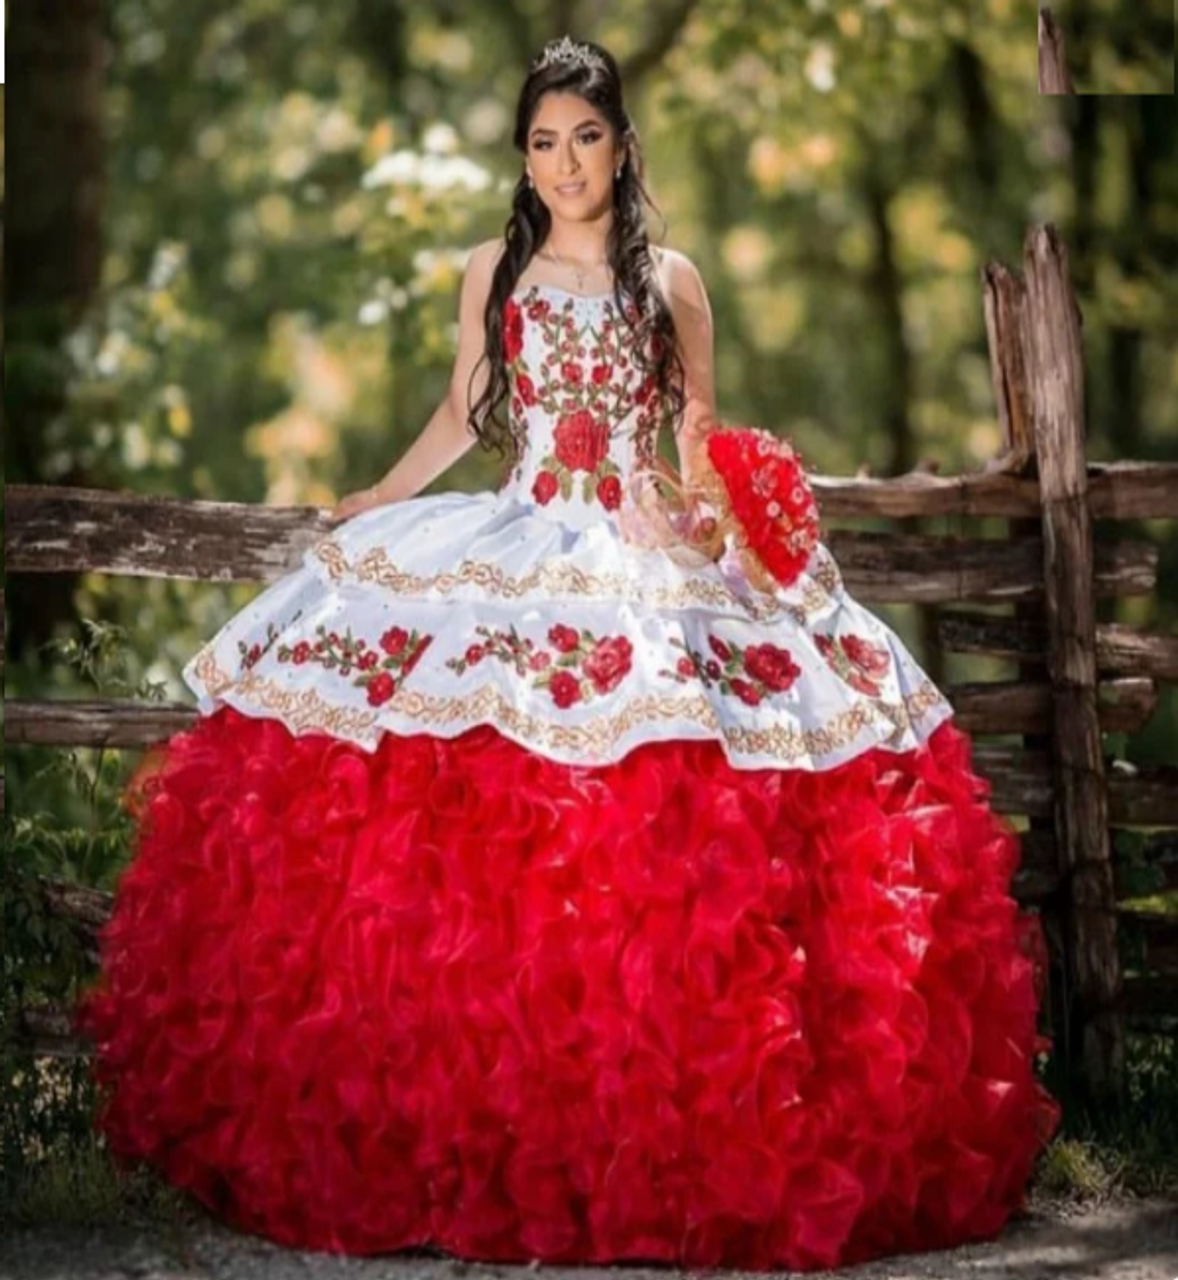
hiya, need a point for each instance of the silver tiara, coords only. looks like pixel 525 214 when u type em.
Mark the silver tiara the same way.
pixel 566 50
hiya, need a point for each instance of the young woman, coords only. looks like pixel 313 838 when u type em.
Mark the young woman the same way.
pixel 533 886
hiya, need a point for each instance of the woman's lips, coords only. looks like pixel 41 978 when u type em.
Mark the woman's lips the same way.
pixel 571 189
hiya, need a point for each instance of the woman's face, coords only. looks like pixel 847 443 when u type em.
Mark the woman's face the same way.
pixel 571 157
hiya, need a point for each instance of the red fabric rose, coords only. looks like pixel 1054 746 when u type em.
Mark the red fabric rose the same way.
pixel 394 640
pixel 608 663
pixel 580 443
pixel 545 487
pixel 600 374
pixel 565 689
pixel 563 639
pixel 773 667
pixel 609 492
pixel 513 331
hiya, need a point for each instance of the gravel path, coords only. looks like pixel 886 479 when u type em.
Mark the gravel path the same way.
pixel 1125 1240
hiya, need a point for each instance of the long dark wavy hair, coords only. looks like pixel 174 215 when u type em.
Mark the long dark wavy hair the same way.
pixel 627 248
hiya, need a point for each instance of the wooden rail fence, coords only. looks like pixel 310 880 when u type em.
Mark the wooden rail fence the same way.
pixel 1026 596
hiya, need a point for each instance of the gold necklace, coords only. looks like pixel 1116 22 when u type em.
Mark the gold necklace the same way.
pixel 578 272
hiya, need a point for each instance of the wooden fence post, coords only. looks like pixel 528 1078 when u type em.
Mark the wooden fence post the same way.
pixel 1005 307
pixel 1053 65
pixel 1056 379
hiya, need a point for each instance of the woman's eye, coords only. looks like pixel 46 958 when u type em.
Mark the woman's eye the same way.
pixel 585 139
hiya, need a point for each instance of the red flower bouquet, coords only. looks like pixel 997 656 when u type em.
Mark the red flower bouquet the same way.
pixel 747 483
pixel 760 492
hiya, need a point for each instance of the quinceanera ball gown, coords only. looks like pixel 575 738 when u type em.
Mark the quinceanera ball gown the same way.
pixel 523 893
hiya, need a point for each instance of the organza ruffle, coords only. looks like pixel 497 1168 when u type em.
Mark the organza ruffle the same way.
pixel 453 993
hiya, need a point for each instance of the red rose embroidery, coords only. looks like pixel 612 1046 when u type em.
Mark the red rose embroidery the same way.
pixel 380 689
pixel 394 640
pixel 544 488
pixel 600 374
pixel 562 638
pixel 773 667
pixel 857 660
pixel 513 331
pixel 526 388
pixel 609 493
pixel 869 658
pixel 581 443
pixel 565 689
pixel 341 654
pixel 571 373
pixel 608 663
pixel 751 674
pixel 746 692
pixel 603 662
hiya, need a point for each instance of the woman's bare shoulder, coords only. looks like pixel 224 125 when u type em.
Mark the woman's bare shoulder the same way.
pixel 483 258
pixel 679 276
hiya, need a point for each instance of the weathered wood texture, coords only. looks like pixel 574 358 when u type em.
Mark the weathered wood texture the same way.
pixel 1053 63
pixel 1080 793
pixel 85 530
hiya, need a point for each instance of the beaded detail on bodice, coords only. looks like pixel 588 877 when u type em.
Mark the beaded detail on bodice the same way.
pixel 585 412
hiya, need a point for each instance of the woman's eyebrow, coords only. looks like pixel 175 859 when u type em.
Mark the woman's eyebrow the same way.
pixel 572 130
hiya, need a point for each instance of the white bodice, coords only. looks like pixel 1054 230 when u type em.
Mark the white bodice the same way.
pixel 582 405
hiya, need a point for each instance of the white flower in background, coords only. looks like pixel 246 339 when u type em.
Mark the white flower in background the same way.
pixel 433 172
pixel 820 68
pixel 440 140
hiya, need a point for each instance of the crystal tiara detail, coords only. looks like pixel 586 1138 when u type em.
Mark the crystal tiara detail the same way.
pixel 566 50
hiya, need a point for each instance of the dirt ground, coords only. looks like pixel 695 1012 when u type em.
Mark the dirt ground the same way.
pixel 1122 1240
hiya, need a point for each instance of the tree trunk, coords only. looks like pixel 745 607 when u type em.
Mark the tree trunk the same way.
pixel 55 157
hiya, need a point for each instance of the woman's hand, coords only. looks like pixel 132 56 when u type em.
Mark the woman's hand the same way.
pixel 353 504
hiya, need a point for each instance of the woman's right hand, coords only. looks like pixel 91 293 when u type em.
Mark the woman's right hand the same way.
pixel 353 504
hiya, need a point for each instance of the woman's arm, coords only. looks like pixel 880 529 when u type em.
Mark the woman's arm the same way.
pixel 692 313
pixel 446 437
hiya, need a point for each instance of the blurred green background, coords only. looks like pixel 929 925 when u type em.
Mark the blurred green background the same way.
pixel 235 234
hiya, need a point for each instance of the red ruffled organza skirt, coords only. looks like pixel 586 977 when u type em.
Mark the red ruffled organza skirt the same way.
pixel 454 994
